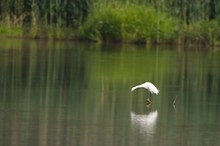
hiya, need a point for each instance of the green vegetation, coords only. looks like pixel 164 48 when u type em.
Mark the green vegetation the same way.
pixel 129 23
pixel 203 33
pixel 146 21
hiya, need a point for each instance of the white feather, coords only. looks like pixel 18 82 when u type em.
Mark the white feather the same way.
pixel 147 85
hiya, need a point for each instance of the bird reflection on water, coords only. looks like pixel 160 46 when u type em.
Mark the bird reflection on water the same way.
pixel 146 123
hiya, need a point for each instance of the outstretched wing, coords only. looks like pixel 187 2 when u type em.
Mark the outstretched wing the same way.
pixel 147 85
pixel 135 87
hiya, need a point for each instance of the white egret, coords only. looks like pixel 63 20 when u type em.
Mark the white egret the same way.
pixel 149 86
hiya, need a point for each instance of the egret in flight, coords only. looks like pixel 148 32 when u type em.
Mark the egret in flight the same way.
pixel 149 86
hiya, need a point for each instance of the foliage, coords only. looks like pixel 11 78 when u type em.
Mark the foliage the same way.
pixel 10 31
pixel 203 32
pixel 125 20
pixel 128 22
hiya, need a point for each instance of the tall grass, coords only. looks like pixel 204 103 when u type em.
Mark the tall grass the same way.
pixel 128 23
pixel 139 21
pixel 202 33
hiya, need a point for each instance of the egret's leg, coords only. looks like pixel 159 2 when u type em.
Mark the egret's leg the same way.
pixel 148 101
pixel 149 98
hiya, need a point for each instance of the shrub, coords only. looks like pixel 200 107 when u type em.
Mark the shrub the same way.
pixel 127 22
pixel 203 32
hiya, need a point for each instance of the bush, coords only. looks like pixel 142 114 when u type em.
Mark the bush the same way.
pixel 127 22
pixel 203 32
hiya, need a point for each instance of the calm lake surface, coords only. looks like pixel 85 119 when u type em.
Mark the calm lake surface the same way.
pixel 72 94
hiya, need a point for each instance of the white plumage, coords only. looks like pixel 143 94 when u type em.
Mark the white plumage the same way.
pixel 147 85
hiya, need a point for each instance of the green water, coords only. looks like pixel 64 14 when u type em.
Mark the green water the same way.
pixel 72 94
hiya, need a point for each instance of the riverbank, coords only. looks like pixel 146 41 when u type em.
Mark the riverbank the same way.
pixel 121 23
pixel 192 35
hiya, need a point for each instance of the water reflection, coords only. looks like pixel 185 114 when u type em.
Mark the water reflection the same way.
pixel 79 94
pixel 146 123
pixel 144 127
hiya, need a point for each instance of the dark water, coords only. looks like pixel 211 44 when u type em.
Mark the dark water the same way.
pixel 72 94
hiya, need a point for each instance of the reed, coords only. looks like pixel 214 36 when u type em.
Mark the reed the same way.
pixel 128 23
pixel 139 21
pixel 202 33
